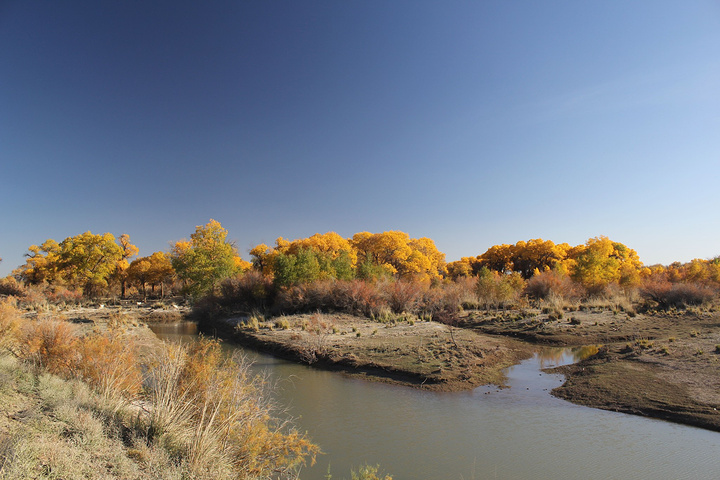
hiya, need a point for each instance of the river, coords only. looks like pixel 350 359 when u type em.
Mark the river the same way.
pixel 521 432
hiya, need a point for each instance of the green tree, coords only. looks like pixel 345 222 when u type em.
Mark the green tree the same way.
pixel 293 269
pixel 206 259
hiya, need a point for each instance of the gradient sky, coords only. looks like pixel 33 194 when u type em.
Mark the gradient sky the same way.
pixel 473 123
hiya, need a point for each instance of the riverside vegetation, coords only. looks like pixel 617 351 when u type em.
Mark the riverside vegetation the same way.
pixel 383 305
pixel 85 403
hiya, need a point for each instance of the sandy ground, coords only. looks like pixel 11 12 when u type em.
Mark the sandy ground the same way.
pixel 427 355
pixel 659 364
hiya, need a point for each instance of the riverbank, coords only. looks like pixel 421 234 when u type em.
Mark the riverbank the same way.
pixel 420 354
pixel 655 364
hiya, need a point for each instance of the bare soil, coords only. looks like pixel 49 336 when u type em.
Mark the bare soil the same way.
pixel 657 364
pixel 426 355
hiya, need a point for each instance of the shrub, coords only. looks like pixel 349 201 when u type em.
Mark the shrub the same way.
pixel 546 284
pixel 109 364
pixel 216 413
pixel 368 472
pixel 282 324
pixel 63 295
pixel 50 344
pixel 250 291
pixel 402 295
pixel 10 286
pixel 496 290
pixel 9 324
pixel 358 297
pixel 676 295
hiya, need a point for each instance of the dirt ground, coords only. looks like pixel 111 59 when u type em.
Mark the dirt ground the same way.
pixel 658 364
pixel 428 355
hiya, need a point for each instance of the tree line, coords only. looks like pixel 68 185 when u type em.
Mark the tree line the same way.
pixel 97 264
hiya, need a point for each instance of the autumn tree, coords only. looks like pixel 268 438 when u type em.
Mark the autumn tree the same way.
pixel 153 270
pixel 335 255
pixel 161 271
pixel 263 258
pixel 86 261
pixel 330 245
pixel 139 273
pixel 498 258
pixel 295 268
pixel 42 263
pixel 399 255
pixel 461 268
pixel 525 257
pixel 206 258
pixel 128 250
pixel 601 262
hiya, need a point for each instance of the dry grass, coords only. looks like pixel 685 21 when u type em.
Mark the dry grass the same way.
pixel 211 411
pixel 190 412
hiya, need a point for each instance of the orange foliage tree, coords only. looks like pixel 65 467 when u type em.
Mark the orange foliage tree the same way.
pixel 86 261
pixel 601 262
pixel 399 255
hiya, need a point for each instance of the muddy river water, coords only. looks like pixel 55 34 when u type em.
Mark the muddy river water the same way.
pixel 521 432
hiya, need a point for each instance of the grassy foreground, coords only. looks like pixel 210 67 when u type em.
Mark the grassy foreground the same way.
pixel 89 403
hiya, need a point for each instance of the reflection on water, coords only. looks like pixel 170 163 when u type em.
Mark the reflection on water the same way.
pixel 521 432
pixel 549 357
pixel 175 331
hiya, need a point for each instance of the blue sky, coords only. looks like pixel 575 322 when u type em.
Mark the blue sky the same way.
pixel 472 123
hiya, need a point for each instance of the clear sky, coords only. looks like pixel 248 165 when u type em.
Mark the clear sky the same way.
pixel 473 123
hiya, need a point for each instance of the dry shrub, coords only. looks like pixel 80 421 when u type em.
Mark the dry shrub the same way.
pixel 466 287
pixel 546 284
pixel 109 363
pixel 358 297
pixel 34 298
pixel 218 415
pixel 403 295
pixel 10 286
pixel 50 344
pixel 62 295
pixel 9 324
pixel 676 295
pixel 496 290
pixel 442 302
pixel 250 291
pixel 307 297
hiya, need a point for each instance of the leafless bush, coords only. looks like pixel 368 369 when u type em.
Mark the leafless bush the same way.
pixel 676 295
pixel 250 291
pixel 403 296
pixel 358 297
pixel 545 284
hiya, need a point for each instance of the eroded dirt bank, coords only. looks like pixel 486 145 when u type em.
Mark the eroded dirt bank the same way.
pixel 426 355
pixel 662 364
